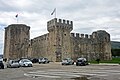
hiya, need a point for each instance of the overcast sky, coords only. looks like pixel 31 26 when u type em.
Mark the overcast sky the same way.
pixel 87 15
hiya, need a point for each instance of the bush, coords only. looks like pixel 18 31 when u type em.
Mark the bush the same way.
pixel 114 60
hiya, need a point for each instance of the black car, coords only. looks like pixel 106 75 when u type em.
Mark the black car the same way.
pixel 81 62
pixel 1 65
pixel 34 60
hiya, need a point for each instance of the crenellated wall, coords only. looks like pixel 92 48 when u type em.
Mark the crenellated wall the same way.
pixel 78 35
pixel 61 23
pixel 96 45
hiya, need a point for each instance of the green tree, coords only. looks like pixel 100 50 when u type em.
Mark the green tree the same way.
pixel 115 52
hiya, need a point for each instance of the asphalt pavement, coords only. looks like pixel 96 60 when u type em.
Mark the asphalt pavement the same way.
pixel 55 71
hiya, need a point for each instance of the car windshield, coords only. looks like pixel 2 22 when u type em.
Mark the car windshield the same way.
pixel 26 60
pixel 15 61
pixel 45 58
pixel 65 59
pixel 81 59
pixel 40 58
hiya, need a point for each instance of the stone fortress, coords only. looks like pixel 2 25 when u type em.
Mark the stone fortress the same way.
pixel 56 45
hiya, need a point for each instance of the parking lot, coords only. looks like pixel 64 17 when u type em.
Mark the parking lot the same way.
pixel 55 71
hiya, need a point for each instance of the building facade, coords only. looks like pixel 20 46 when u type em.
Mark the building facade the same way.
pixel 59 43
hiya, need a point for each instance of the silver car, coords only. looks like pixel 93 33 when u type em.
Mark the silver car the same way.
pixel 43 60
pixel 13 64
pixel 67 61
pixel 25 63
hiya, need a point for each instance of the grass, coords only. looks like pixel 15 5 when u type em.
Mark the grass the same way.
pixel 114 60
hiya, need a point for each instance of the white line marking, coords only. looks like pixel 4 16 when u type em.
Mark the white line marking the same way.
pixel 33 75
pixel 37 72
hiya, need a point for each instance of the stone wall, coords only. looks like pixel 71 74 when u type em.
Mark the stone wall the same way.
pixel 61 43
pixel 93 46
pixel 39 46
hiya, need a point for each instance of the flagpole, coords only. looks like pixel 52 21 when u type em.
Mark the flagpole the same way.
pixel 55 12
pixel 17 19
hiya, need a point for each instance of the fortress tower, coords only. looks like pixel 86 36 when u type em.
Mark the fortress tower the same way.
pixel 103 45
pixel 16 41
pixel 59 37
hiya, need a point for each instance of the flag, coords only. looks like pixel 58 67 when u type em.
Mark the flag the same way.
pixel 53 11
pixel 16 15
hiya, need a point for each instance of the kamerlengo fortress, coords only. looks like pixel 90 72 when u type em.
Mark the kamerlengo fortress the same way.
pixel 59 43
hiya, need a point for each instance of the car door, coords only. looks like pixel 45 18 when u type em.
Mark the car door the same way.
pixel 21 62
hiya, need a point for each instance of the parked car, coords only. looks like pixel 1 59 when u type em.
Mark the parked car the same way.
pixel 13 64
pixel 81 62
pixel 34 60
pixel 1 65
pixel 25 63
pixel 67 61
pixel 43 60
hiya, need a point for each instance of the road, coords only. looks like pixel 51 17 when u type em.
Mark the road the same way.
pixel 55 71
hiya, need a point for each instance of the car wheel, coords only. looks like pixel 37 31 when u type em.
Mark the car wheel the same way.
pixel 7 66
pixel 76 64
pixel 23 64
pixel 2 67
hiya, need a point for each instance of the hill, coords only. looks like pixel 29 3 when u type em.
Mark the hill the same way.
pixel 1 56
pixel 115 45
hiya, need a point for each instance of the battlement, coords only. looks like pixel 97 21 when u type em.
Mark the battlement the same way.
pixel 78 35
pixel 18 26
pixel 99 35
pixel 40 38
pixel 56 21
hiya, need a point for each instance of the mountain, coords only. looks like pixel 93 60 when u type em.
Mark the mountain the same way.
pixel 1 56
pixel 115 45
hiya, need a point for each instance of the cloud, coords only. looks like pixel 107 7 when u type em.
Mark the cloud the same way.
pixel 87 16
pixel 1 40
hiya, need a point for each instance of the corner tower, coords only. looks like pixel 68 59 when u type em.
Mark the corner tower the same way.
pixel 16 41
pixel 104 45
pixel 59 38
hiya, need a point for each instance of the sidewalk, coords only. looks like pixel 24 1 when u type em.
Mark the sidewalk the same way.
pixel 106 64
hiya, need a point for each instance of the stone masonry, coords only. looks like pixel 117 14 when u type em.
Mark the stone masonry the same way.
pixel 16 41
pixel 58 44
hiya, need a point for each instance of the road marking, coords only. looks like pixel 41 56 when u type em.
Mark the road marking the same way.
pixel 67 74
pixel 33 75
pixel 102 75
pixel 37 72
pixel 51 74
